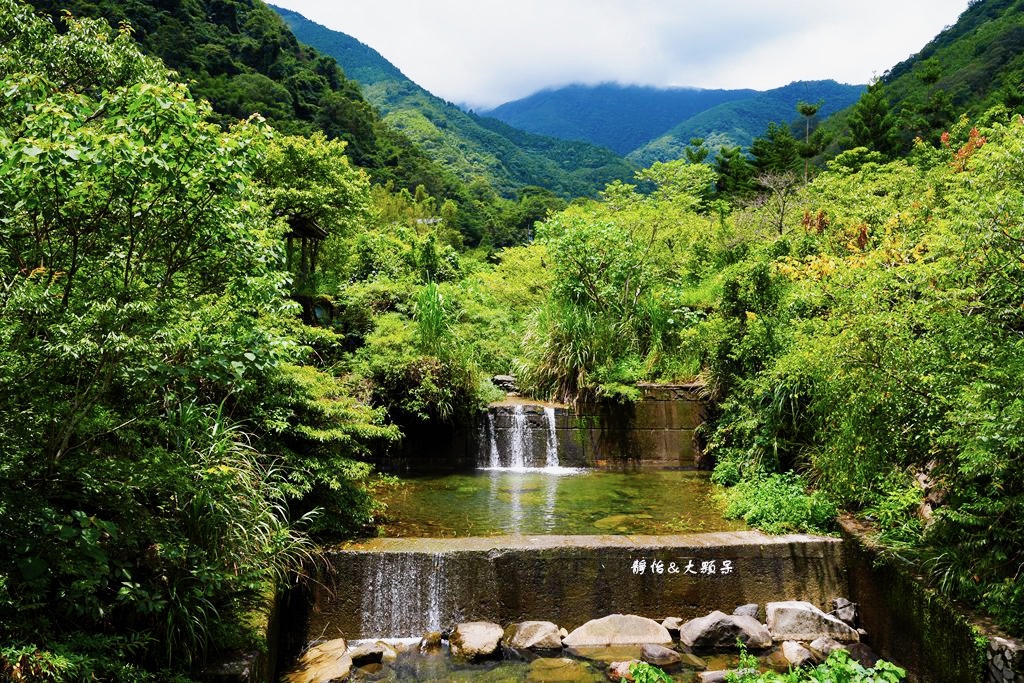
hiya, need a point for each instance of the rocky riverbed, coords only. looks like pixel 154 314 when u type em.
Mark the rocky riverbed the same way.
pixel 783 635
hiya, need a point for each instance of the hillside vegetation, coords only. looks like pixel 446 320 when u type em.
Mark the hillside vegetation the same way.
pixel 739 122
pixel 969 67
pixel 210 326
pixel 621 118
pixel 470 146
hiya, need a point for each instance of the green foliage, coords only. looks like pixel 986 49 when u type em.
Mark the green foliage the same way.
pixel 890 347
pixel 642 672
pixel 780 503
pixel 837 668
pixel 151 379
pixel 616 311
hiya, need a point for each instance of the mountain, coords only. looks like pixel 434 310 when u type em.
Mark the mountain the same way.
pixel 242 58
pixel 740 121
pixel 970 66
pixel 621 118
pixel 469 145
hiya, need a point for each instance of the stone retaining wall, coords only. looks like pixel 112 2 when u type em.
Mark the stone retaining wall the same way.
pixel 657 431
pixel 913 625
pixel 565 579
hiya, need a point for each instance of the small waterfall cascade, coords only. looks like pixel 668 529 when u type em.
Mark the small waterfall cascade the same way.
pixel 493 456
pixel 551 450
pixel 518 436
pixel 405 594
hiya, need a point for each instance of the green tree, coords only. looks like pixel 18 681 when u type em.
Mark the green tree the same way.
pixel 807 150
pixel 145 362
pixel 777 151
pixel 872 123
pixel 735 173
pixel 696 152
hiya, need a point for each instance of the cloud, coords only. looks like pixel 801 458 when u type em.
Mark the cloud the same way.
pixel 486 53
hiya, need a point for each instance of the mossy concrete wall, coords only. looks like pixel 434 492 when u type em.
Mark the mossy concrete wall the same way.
pixel 405 587
pixel 659 430
pixel 907 622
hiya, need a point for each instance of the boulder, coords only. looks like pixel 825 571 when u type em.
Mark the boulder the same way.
pixel 863 655
pixel 619 671
pixel 476 640
pixel 752 610
pixel 505 382
pixel 561 670
pixel 619 629
pixel 719 630
pixel 672 624
pixel 822 647
pixel 798 620
pixel 796 655
pixel 660 656
pixel 533 635
pixel 327 661
pixel 845 611
pixel 372 653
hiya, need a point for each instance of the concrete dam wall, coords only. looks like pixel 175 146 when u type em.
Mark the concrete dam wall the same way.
pixel 406 587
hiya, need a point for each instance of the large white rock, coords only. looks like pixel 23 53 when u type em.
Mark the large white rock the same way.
pixel 720 630
pixel 327 661
pixel 798 620
pixel 618 629
pixel 822 647
pixel 475 640
pixel 796 654
pixel 533 635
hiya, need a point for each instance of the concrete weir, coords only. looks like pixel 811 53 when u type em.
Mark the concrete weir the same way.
pixel 403 587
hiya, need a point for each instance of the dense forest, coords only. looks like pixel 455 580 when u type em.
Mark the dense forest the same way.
pixel 215 308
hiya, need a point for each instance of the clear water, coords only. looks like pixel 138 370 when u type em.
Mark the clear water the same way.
pixel 556 500
pixel 413 665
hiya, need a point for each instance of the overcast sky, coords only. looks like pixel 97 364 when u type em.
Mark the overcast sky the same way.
pixel 486 52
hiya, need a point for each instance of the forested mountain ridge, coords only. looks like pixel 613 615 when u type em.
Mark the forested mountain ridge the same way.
pixel 656 124
pixel 242 58
pixel 970 66
pixel 620 117
pixel 463 142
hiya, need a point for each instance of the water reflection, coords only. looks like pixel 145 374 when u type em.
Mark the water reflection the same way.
pixel 554 500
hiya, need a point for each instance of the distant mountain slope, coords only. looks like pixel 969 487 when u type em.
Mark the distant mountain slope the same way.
pixel 740 121
pixel 462 142
pixel 239 55
pixel 621 118
pixel 970 66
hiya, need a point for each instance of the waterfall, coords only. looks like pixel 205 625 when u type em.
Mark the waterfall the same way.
pixel 405 594
pixel 519 438
pixel 510 438
pixel 494 458
pixel 551 452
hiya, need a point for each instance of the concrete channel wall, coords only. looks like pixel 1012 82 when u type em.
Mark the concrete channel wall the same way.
pixel 659 430
pixel 405 587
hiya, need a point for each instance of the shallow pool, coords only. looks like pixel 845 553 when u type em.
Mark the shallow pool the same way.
pixel 553 501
